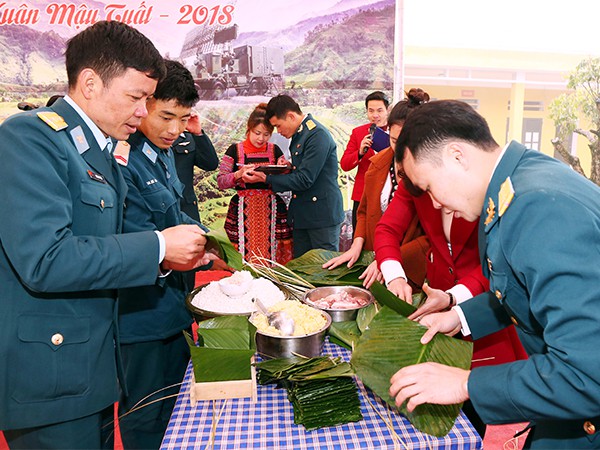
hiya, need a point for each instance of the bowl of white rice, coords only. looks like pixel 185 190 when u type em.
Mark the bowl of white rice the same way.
pixel 210 300
pixel 310 327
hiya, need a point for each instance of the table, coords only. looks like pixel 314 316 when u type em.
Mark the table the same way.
pixel 269 424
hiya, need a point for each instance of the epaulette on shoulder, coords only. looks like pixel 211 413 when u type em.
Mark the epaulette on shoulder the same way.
pixel 310 124
pixel 53 120
pixel 121 152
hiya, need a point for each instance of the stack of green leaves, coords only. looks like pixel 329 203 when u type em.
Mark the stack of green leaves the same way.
pixel 321 390
pixel 309 267
pixel 225 348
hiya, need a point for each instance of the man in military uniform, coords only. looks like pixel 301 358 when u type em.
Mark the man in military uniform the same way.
pixel 151 318
pixel 316 210
pixel 539 232
pixel 62 255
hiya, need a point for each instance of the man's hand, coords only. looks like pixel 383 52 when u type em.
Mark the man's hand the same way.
pixel 429 383
pixel 366 143
pixel 184 247
pixel 447 323
pixel 193 125
pixel 370 275
pixel 437 300
pixel 281 161
pixel 401 289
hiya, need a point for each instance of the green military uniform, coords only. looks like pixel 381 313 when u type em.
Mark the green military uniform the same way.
pixel 316 209
pixel 540 247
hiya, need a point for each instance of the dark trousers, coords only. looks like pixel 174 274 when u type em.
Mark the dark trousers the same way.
pixel 327 238
pixel 149 367
pixel 354 211
pixel 92 432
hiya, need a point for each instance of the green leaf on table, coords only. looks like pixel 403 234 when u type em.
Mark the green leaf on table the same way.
pixel 309 267
pixel 365 315
pixel 386 298
pixel 225 351
pixel 215 364
pixel 392 342
pixel 347 332
pixel 219 239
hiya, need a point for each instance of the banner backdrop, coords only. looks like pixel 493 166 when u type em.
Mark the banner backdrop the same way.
pixel 327 54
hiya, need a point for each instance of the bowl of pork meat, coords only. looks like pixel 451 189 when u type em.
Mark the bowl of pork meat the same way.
pixel 340 302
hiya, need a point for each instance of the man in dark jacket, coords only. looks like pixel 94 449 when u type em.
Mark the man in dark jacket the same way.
pixel 316 210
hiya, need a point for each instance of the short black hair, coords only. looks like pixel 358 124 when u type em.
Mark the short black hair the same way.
pixel 377 95
pixel 178 84
pixel 110 48
pixel 280 105
pixel 431 125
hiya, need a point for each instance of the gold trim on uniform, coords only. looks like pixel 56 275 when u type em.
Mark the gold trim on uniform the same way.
pixel 310 124
pixel 491 212
pixel 53 120
pixel 505 196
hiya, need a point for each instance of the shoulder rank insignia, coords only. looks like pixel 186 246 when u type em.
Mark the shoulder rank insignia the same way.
pixel 491 212
pixel 53 120
pixel 505 196
pixel 121 152
pixel 310 124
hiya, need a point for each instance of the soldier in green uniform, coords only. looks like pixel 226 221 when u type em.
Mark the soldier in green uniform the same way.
pixel 62 254
pixel 539 242
pixel 316 209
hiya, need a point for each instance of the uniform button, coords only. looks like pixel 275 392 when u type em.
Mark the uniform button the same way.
pixel 450 270
pixel 293 167
pixel 314 199
pixel 186 151
pixel 296 154
pixel 589 427
pixel 57 339
pixel 489 264
pixel 498 294
pixel 195 202
pixel 514 321
pixel 294 196
pixel 102 203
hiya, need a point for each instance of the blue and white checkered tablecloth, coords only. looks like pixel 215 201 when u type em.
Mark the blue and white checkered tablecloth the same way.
pixel 269 424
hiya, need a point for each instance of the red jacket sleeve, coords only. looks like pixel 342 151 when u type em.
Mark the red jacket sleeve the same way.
pixel 390 230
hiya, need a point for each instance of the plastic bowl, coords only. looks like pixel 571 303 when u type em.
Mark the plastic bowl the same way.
pixel 309 345
pixel 338 315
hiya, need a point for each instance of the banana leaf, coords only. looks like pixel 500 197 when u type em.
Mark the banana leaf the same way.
pixel 225 351
pixel 346 332
pixel 309 267
pixel 392 342
pixel 386 298
pixel 365 315
pixel 218 239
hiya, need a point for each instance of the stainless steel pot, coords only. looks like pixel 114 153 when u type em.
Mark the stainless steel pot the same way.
pixel 338 315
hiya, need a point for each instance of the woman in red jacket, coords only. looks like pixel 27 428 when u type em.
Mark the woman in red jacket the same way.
pixel 358 151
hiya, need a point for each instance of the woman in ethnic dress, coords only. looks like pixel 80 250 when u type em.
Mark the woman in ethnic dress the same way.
pixel 256 221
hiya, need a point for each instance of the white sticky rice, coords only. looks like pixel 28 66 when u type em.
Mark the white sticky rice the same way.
pixel 212 299
pixel 307 320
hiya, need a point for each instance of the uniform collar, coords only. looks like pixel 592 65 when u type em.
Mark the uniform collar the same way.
pixel 98 134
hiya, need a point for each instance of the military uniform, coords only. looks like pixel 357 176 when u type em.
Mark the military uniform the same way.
pixel 151 318
pixel 192 150
pixel 539 244
pixel 316 204
pixel 61 259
